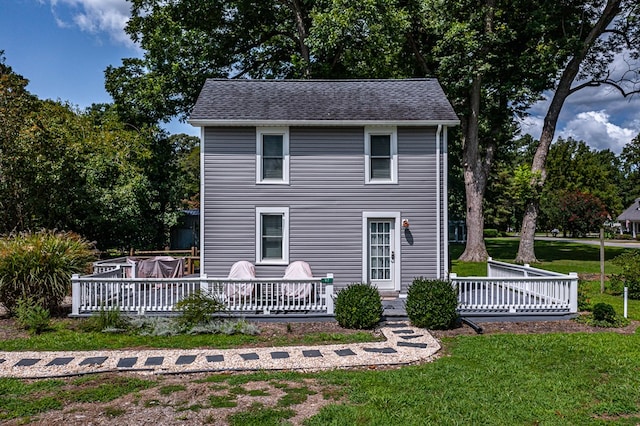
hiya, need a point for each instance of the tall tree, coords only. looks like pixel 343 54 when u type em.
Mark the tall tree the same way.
pixel 605 29
pixel 493 57
pixel 631 169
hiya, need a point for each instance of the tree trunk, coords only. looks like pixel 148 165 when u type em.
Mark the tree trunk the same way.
pixel 303 33
pixel 475 179
pixel 526 250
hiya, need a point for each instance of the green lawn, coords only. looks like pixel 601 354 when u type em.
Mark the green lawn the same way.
pixel 558 256
pixel 538 379
pixel 549 379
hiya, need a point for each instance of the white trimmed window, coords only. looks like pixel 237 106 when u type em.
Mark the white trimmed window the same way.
pixel 381 155
pixel 272 235
pixel 272 155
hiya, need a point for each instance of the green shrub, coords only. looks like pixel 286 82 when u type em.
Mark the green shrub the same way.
pixel 358 306
pixel 584 303
pixel 39 266
pixel 629 263
pixel 198 309
pixel 490 233
pixel 107 320
pixel 604 312
pixel 31 316
pixel 432 304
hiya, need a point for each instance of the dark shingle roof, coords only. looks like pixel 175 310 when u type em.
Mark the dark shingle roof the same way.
pixel 319 101
pixel 632 213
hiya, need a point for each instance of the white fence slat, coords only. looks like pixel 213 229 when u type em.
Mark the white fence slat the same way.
pixel 110 290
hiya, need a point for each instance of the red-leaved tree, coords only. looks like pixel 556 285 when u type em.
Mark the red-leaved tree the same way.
pixel 581 213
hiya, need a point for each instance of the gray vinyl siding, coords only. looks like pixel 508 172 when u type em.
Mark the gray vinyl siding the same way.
pixel 326 197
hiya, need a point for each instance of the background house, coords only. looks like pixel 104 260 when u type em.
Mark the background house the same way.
pixel 630 219
pixel 347 175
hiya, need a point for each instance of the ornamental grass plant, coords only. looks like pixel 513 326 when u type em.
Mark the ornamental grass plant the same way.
pixel 39 265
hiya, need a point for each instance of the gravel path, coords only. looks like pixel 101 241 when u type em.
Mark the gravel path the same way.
pixel 404 345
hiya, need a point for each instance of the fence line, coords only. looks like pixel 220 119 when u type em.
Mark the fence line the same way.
pixel 515 288
pixel 150 295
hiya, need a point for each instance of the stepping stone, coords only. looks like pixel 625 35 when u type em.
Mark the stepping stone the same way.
pixel 154 361
pixel 403 331
pixel 27 362
pixel 344 352
pixel 185 359
pixel 60 361
pixel 413 345
pixel 415 336
pixel 380 350
pixel 96 360
pixel 395 325
pixel 313 353
pixel 250 356
pixel 127 362
pixel 279 355
pixel 215 358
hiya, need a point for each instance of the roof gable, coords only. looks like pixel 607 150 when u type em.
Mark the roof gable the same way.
pixel 410 101
pixel 632 213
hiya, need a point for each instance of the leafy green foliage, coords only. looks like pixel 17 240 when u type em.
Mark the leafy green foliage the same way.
pixel 32 316
pixel 604 312
pixel 39 266
pixel 629 263
pixel 490 233
pixel 432 304
pixel 198 309
pixel 358 306
pixel 107 320
pixel 584 303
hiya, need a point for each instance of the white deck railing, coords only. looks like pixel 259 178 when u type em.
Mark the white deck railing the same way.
pixel 514 288
pixel 109 290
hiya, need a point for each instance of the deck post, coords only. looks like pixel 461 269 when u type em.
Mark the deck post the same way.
pixel 75 294
pixel 328 294
pixel 203 282
pixel 573 293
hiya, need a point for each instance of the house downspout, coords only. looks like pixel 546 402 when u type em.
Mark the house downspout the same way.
pixel 438 195
pixel 445 198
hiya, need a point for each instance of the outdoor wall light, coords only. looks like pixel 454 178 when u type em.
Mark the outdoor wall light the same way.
pixel 405 223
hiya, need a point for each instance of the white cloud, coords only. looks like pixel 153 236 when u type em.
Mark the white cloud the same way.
pixel 596 128
pixel 94 16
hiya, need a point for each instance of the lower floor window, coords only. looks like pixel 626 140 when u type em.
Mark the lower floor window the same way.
pixel 272 236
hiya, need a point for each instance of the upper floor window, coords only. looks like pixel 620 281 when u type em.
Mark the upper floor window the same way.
pixel 381 155
pixel 272 155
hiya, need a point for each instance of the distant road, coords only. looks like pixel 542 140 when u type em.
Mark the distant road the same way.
pixel 607 243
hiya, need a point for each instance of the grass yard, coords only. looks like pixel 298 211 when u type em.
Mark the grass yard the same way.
pixel 550 379
pixel 557 256
pixel 500 379
pixel 495 379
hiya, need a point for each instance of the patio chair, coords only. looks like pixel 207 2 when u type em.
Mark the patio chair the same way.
pixel 297 270
pixel 241 270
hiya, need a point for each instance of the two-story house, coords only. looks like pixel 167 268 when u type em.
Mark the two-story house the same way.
pixel 347 175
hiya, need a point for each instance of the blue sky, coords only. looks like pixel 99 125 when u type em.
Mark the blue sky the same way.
pixel 64 46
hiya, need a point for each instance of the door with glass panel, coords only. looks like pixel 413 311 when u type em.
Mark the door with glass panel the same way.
pixel 381 255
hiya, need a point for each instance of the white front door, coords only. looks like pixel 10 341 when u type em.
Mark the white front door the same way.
pixel 381 253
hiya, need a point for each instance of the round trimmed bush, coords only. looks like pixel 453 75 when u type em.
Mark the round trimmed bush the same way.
pixel 358 306
pixel 432 304
pixel 604 312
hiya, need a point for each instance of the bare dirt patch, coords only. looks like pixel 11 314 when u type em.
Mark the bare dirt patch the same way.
pixel 192 401
pixel 533 327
